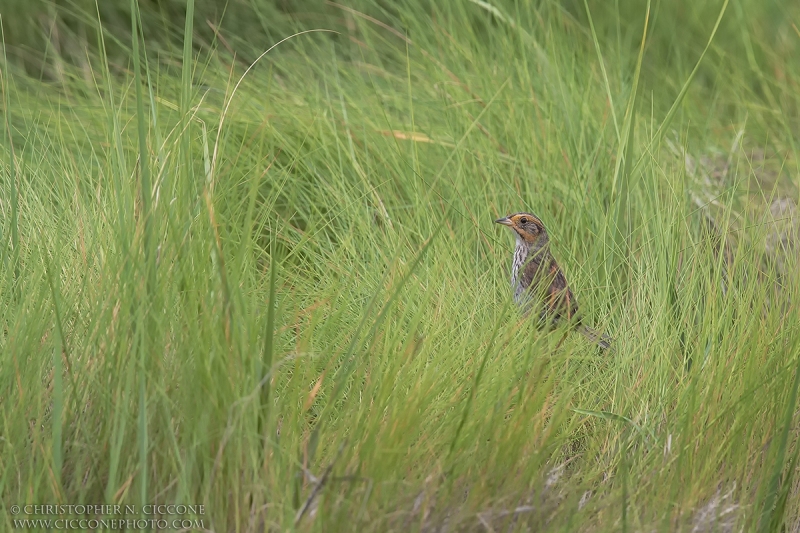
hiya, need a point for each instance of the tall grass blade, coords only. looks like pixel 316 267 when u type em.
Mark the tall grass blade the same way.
pixel 620 186
pixel 662 128
pixel 269 344
pixel 146 322
pixel 602 64
pixel 59 351
pixel 474 390
pixel 346 369
pixel 187 66
pixel 11 263
pixel 772 513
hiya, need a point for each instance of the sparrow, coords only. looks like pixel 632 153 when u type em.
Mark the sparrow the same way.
pixel 537 278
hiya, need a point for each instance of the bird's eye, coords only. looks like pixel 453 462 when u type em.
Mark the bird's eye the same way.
pixel 523 220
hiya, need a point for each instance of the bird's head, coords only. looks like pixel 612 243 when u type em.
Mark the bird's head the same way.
pixel 527 228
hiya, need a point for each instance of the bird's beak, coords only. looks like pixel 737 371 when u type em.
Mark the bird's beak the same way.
pixel 505 221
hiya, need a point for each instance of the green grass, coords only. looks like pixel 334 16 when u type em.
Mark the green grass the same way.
pixel 274 287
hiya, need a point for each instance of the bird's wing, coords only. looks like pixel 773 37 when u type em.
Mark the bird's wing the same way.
pixel 563 301
pixel 545 276
pixel 534 274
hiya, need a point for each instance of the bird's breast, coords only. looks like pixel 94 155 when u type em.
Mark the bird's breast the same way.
pixel 520 255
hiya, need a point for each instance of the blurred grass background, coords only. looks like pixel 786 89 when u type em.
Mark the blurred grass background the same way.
pixel 270 283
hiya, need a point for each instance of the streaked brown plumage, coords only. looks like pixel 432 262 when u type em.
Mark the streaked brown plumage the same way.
pixel 537 278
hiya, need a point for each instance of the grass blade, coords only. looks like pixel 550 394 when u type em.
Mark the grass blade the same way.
pixel 662 128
